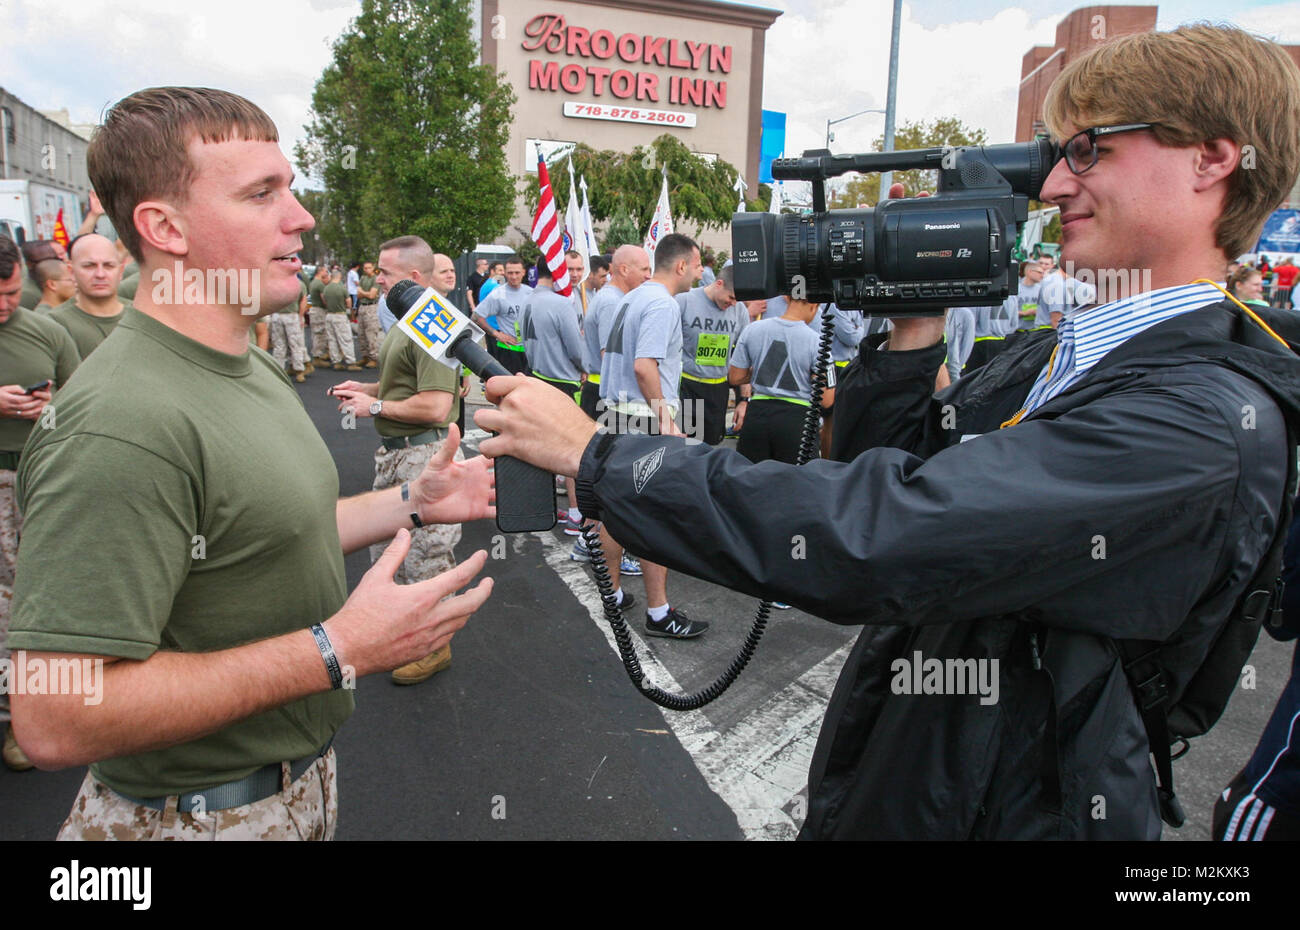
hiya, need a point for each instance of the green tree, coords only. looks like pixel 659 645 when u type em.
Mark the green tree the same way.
pixel 622 230
pixel 865 188
pixel 408 134
pixel 700 191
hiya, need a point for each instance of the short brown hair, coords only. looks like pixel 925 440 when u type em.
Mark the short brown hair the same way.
pixel 141 151
pixel 1197 83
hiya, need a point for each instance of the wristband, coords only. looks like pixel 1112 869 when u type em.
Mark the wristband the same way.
pixel 406 496
pixel 327 653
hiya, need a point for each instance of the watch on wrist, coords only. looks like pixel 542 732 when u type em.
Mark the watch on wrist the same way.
pixel 376 408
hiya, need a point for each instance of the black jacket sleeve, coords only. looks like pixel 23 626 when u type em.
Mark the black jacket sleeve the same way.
pixel 1113 518
pixel 886 399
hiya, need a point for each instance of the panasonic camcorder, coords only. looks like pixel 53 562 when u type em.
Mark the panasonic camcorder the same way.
pixel 912 257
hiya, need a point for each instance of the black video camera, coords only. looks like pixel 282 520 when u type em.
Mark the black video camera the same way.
pixel 912 257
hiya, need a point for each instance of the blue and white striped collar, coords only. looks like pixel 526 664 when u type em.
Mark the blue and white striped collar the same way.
pixel 1099 330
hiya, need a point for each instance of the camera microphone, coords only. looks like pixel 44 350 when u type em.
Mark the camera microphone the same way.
pixel 525 493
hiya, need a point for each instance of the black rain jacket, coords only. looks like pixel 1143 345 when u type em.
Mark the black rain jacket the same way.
pixel 1136 504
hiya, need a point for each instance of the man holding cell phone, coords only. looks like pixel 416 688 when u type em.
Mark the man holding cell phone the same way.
pixel 36 355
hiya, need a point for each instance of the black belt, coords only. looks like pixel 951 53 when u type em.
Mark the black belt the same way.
pixel 419 439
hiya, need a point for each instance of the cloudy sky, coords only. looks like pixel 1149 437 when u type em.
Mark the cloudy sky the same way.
pixel 825 58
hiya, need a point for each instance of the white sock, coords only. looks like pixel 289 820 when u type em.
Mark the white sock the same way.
pixel 657 613
pixel 618 596
pixel 574 514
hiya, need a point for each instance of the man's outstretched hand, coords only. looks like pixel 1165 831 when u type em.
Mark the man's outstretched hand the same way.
pixel 448 491
pixel 536 423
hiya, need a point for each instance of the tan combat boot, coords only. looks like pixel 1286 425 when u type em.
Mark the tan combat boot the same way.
pixel 423 669
pixel 371 363
pixel 15 759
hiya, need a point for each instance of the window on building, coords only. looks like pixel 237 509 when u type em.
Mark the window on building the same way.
pixel 11 134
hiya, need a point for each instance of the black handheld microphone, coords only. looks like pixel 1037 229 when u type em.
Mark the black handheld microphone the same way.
pixel 525 493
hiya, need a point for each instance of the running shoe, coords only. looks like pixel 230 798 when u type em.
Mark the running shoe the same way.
pixel 629 566
pixel 675 626
pixel 580 552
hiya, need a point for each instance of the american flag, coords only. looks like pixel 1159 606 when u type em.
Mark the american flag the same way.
pixel 547 231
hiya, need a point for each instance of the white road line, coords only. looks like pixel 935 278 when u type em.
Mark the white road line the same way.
pixel 759 767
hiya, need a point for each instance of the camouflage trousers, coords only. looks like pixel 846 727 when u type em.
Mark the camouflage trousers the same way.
pixel 320 347
pixel 339 332
pixel 370 335
pixel 307 809
pixel 286 340
pixel 431 546
pixel 10 524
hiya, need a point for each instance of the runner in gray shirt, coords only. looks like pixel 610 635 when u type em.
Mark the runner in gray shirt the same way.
pixel 552 342
pixel 506 303
pixel 711 321
pixel 646 325
pixel 629 268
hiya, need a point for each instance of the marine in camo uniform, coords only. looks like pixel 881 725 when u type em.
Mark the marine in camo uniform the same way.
pixel 286 337
pixel 320 347
pixel 370 334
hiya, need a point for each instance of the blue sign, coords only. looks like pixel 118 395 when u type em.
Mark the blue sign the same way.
pixel 772 145
pixel 1281 232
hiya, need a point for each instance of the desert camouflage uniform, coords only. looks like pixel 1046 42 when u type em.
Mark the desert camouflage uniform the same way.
pixel 286 338
pixel 307 809
pixel 339 331
pixel 370 335
pixel 431 546
pixel 320 347
pixel 10 524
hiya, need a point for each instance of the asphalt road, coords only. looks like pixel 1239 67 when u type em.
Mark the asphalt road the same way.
pixel 535 731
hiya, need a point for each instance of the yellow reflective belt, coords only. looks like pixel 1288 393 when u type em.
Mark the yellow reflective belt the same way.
pixel 704 380
pixel 593 379
pixel 788 400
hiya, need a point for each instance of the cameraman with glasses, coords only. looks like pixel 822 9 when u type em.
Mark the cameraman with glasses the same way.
pixel 1116 442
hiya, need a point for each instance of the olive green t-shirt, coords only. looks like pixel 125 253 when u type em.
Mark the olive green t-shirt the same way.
pixel 366 283
pixel 314 291
pixel 335 297
pixel 130 283
pixel 293 307
pixel 86 329
pixel 31 294
pixel 185 502
pixel 32 348
pixel 406 369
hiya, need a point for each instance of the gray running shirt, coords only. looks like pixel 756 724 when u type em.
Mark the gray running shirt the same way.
pixel 849 330
pixel 592 339
pixel 552 342
pixel 959 333
pixel 645 324
pixel 507 304
pixel 708 334
pixel 780 356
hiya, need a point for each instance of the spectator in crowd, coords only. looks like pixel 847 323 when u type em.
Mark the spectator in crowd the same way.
pixel 35 251
pixel 37 356
pixel 95 310
pixel 476 280
pixel 56 283
pixel 413 403
pixel 1247 285
pixel 285 333
pixel 1284 280
pixel 370 333
pixel 338 331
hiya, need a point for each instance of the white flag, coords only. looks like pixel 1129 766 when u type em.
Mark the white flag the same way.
pixel 661 224
pixel 775 205
pixel 739 188
pixel 588 229
pixel 575 236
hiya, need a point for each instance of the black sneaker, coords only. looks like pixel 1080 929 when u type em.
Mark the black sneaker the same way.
pixel 675 626
pixel 627 603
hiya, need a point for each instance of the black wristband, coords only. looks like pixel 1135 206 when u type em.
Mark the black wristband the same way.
pixel 327 653
pixel 406 496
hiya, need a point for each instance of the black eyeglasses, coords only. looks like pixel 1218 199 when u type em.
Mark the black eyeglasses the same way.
pixel 1080 150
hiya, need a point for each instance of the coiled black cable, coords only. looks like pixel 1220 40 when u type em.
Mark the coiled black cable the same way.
pixel 614 617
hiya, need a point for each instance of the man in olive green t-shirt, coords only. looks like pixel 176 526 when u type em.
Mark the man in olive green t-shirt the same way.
pixel 183 484
pixel 56 282
pixel 414 401
pixel 337 328
pixel 320 346
pixel 370 334
pixel 33 351
pixel 95 310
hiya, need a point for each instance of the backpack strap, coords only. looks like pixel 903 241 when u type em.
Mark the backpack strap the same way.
pixel 1148 677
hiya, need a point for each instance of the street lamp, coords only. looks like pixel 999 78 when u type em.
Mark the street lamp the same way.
pixel 832 122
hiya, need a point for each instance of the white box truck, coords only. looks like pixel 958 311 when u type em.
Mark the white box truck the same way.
pixel 28 210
